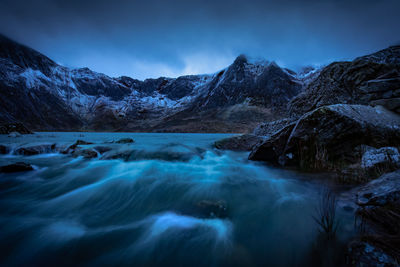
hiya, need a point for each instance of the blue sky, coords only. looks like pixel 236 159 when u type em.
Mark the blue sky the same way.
pixel 144 39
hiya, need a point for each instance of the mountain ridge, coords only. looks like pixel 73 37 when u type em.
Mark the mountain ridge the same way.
pixel 46 96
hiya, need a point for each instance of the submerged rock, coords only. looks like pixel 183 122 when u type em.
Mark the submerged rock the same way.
pixel 14 134
pixel 16 167
pixel 133 154
pixel 71 149
pixel 238 143
pixel 4 149
pixel 36 150
pixel 102 149
pixel 125 141
pixel 212 209
pixel 327 137
pixel 86 153
pixel 123 155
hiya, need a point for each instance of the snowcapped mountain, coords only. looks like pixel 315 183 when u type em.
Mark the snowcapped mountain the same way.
pixel 46 96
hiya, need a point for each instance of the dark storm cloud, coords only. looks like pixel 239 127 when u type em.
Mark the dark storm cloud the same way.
pixel 154 38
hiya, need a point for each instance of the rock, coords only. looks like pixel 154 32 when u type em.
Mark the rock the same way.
pixel 82 142
pixel 238 143
pixel 102 149
pixel 360 81
pixel 269 128
pixel 72 147
pixel 364 254
pixel 327 137
pixel 124 155
pixel 125 141
pixel 391 103
pixel 270 150
pixel 379 192
pixel 86 153
pixel 4 149
pixel 16 167
pixel 35 150
pixel 374 157
pixel 8 128
pixel 379 212
pixel 14 134
pixel 212 209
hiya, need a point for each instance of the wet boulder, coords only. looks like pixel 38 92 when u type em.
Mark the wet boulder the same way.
pixel 16 167
pixel 35 150
pixel 243 142
pixel 327 137
pixel 86 153
pixel 74 146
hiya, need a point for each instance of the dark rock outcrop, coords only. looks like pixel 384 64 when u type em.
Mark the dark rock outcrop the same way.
pixel 16 167
pixel 269 128
pixel 372 79
pixel 125 141
pixel 7 128
pixel 35 150
pixel 379 213
pixel 327 137
pixel 364 254
pixel 377 159
pixel 238 143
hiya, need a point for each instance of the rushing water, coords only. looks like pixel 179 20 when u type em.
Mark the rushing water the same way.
pixel 148 208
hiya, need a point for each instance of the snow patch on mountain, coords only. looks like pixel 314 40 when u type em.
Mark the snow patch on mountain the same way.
pixel 33 78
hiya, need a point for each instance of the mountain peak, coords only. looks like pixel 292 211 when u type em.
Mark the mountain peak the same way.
pixel 242 58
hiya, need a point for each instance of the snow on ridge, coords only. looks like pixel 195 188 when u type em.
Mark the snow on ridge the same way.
pixel 33 77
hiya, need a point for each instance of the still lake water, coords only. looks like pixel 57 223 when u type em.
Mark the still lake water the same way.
pixel 160 205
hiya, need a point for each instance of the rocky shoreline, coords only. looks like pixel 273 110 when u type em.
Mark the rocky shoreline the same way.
pixel 346 122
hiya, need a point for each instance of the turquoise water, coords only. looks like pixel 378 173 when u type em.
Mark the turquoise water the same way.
pixel 148 208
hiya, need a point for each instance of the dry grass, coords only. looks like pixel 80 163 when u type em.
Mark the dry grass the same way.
pixel 326 214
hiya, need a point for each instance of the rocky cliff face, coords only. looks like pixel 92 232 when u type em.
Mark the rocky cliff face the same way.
pixel 46 96
pixel 373 79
